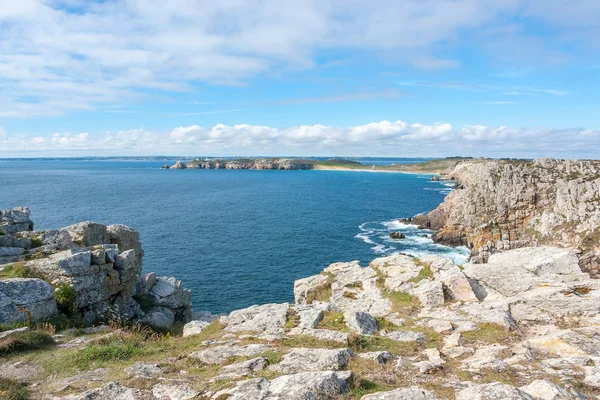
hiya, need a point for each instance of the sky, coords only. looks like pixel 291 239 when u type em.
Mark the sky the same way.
pixel 511 78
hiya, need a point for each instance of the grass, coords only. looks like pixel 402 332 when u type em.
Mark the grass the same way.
pixel 488 333
pixel 292 319
pixel 310 342
pixel 36 242
pixel 362 387
pixel 424 273
pixel 403 303
pixel 18 270
pixel 21 342
pixel 333 320
pixel 364 344
pixel 13 390
pixel 119 347
pixel 66 298
pixel 321 292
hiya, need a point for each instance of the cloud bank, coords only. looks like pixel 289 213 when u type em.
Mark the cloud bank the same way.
pixel 384 138
pixel 68 55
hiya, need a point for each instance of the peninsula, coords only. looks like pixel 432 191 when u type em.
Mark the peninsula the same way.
pixel 434 166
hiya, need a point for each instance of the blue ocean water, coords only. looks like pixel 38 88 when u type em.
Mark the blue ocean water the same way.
pixel 236 238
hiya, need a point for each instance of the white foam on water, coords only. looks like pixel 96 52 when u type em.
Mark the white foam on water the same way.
pixel 376 235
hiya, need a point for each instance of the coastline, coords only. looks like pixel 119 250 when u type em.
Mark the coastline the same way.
pixel 328 168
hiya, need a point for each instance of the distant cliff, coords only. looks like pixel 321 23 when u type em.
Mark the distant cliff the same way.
pixel 240 163
pixel 501 205
pixel 433 166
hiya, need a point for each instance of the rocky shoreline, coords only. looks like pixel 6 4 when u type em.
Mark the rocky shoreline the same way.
pixel 500 205
pixel 80 321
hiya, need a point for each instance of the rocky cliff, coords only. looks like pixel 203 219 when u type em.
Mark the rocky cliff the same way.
pixel 501 205
pixel 88 271
pixel 260 163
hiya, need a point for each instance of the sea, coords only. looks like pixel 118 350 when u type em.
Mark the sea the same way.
pixel 235 238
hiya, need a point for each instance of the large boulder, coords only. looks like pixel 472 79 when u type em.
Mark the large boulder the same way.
pixel 412 393
pixel 168 292
pixel 21 298
pixel 318 385
pixel 301 359
pixel 87 233
pixel 15 220
pixel 492 391
pixel 268 318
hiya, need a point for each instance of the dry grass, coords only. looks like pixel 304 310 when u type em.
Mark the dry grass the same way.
pixel 488 333
pixel 333 320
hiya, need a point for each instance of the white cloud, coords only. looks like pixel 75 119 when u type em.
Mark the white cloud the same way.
pixel 65 55
pixel 384 138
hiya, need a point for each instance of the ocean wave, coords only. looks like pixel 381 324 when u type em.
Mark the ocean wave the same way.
pixel 417 242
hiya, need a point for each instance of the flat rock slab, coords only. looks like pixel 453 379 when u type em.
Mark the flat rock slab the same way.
pixel 241 369
pixel 220 354
pixel 110 391
pixel 404 336
pixel 322 334
pixel 413 393
pixel 301 359
pixel 172 392
pixel 144 370
pixel 492 391
pixel 318 385
pixel 360 322
pixel 268 318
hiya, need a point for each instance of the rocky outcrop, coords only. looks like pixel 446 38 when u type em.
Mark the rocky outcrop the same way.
pixel 23 300
pixel 500 205
pixel 86 270
pixel 261 163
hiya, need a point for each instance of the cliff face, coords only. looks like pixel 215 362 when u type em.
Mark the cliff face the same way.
pixel 502 205
pixel 90 272
pixel 262 163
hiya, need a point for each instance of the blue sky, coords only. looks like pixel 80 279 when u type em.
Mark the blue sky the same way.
pixel 381 78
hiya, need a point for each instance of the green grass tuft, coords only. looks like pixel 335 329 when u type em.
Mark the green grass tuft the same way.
pixel 31 340
pixel 36 242
pixel 18 270
pixel 66 298
pixel 13 390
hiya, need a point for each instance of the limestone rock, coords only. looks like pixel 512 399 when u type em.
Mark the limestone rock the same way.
pixel 241 369
pixel 404 336
pixel 87 234
pixel 319 385
pixel 179 165
pixel 544 390
pixel 268 318
pixel 159 318
pixel 310 314
pixel 20 294
pixel 144 370
pixel 302 359
pixel 380 357
pixel 429 293
pixel 219 354
pixel 412 393
pixel 492 391
pixel 194 328
pixel 174 392
pixel 110 391
pixel 360 322
pixel 303 286
pixel 322 334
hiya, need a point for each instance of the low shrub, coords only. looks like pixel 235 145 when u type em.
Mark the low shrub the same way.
pixel 66 298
